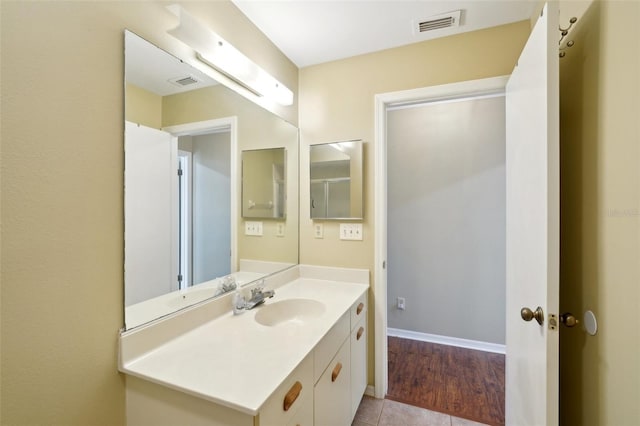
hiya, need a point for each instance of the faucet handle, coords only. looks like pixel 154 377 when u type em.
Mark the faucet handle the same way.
pixel 258 288
pixel 239 303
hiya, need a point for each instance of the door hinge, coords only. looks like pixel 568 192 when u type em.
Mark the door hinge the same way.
pixel 179 172
pixel 180 278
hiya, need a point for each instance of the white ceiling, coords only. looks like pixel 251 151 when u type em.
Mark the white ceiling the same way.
pixel 315 31
pixel 155 70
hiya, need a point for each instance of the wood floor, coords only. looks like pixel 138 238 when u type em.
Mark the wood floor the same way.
pixel 462 382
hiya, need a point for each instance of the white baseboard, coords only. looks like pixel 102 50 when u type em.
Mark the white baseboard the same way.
pixel 446 340
pixel 370 391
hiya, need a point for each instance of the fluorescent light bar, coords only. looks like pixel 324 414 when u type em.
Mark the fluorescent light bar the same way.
pixel 216 52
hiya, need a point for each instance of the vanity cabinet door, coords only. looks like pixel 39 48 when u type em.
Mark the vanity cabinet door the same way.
pixel 285 404
pixel 332 396
pixel 304 415
pixel 326 350
pixel 358 341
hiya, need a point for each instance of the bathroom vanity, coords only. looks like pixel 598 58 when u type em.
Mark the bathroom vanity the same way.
pixel 298 359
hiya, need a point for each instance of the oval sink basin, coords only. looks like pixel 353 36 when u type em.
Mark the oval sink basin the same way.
pixel 290 311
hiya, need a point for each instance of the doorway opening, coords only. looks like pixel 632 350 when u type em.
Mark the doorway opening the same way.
pixel 446 255
pixel 206 200
pixel 436 217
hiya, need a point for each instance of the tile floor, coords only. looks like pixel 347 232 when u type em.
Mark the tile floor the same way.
pixel 384 412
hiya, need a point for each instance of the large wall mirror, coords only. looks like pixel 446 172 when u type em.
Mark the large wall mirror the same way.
pixel 336 180
pixel 184 231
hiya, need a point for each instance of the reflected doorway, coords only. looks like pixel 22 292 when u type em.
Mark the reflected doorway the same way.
pixel 204 206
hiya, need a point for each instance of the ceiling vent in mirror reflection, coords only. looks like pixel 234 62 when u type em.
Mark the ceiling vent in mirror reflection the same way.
pixel 221 55
pixel 184 81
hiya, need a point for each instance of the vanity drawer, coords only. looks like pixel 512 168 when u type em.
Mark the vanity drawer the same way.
pixel 296 390
pixel 329 345
pixel 359 310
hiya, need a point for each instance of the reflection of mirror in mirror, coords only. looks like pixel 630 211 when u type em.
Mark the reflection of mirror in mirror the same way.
pixel 264 183
pixel 183 134
pixel 336 180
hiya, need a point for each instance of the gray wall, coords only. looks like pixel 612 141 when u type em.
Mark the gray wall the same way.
pixel 446 219
pixel 211 206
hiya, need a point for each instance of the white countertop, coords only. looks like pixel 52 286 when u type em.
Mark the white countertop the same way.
pixel 237 362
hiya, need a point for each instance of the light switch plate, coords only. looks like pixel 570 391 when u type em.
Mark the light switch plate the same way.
pixel 351 231
pixel 253 228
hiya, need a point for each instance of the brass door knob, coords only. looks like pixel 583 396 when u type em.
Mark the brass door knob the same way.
pixel 568 319
pixel 527 314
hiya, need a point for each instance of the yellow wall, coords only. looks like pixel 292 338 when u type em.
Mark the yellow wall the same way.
pixel 257 129
pixel 336 103
pixel 143 107
pixel 62 177
pixel 600 209
pixel 62 196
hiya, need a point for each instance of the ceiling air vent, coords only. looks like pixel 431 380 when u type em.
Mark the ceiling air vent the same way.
pixel 446 20
pixel 183 81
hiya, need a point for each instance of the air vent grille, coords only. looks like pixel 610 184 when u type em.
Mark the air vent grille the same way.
pixel 446 20
pixel 184 81
pixel 436 24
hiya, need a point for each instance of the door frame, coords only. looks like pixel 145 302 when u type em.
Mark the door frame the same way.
pixel 225 124
pixel 186 210
pixel 382 101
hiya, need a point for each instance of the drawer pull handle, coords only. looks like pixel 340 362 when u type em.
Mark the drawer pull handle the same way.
pixel 291 396
pixel 360 331
pixel 360 308
pixel 336 371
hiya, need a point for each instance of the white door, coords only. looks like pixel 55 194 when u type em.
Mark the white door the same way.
pixel 150 213
pixel 532 175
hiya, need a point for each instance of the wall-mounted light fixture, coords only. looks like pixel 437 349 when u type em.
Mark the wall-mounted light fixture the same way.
pixel 219 54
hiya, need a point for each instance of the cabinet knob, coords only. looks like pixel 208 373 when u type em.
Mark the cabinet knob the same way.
pixel 291 396
pixel 360 308
pixel 336 372
pixel 360 331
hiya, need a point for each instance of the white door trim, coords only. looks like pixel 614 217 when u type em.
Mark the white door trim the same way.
pixel 382 101
pixel 229 124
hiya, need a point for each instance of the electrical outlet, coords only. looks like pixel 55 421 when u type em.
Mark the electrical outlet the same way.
pixel 253 228
pixel 400 301
pixel 351 231
pixel 318 230
pixel 280 229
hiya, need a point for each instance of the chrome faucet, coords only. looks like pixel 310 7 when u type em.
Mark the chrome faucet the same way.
pixel 258 296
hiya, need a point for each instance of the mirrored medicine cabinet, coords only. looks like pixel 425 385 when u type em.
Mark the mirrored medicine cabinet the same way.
pixel 264 183
pixel 336 180
pixel 185 138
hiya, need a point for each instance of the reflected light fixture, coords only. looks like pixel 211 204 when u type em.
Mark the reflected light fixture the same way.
pixel 219 54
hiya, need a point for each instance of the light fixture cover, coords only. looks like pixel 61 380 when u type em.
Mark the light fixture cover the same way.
pixel 218 53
